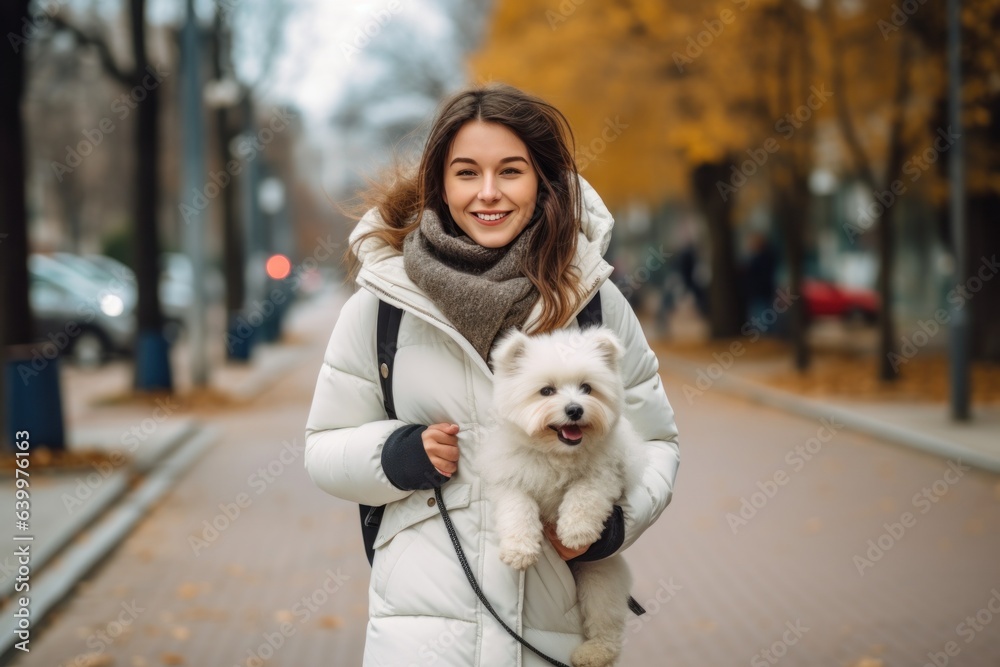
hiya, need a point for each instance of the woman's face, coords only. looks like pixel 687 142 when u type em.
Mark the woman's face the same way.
pixel 490 186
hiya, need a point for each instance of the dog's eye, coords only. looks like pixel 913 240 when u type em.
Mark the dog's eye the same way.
pixel 585 388
pixel 547 391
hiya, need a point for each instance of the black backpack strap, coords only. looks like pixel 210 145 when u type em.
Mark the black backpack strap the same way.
pixel 591 315
pixel 387 333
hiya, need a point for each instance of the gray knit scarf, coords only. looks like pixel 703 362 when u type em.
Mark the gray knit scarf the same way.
pixel 480 290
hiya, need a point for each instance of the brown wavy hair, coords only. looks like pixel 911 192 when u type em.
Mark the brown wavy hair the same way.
pixel 549 139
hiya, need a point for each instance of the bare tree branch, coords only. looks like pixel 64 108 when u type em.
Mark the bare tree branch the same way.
pixel 107 60
pixel 902 92
pixel 861 159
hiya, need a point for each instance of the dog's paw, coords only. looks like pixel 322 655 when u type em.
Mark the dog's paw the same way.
pixel 593 653
pixel 577 535
pixel 519 554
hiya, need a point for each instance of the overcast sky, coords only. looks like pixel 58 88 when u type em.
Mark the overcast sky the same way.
pixel 324 46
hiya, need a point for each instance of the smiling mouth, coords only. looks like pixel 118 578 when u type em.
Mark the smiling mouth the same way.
pixel 491 218
pixel 570 434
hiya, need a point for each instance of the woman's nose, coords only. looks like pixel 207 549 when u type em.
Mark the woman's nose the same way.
pixel 489 191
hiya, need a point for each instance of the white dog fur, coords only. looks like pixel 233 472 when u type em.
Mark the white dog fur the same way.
pixel 562 454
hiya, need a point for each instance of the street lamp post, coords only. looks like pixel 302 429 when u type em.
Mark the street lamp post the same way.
pixel 959 339
pixel 194 181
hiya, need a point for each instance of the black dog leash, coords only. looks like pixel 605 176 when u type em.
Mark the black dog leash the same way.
pixel 479 592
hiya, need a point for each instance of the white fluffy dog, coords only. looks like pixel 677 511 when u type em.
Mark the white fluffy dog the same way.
pixel 562 454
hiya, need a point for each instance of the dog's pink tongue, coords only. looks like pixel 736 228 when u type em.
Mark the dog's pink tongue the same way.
pixel 571 432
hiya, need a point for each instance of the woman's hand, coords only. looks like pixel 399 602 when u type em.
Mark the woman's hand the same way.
pixel 441 444
pixel 564 552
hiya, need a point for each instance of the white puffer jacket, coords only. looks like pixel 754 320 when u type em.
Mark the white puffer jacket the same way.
pixel 422 610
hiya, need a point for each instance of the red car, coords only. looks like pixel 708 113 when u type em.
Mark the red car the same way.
pixel 825 299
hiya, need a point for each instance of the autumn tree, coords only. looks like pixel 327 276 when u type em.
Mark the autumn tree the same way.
pixel 887 60
pixel 892 109
pixel 980 62
pixel 152 363
pixel 695 89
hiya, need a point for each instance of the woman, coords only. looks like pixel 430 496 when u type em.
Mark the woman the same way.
pixel 496 229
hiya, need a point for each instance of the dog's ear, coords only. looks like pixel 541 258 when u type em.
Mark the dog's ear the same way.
pixel 508 352
pixel 607 345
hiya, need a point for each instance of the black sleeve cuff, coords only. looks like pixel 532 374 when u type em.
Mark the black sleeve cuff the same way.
pixel 406 464
pixel 610 541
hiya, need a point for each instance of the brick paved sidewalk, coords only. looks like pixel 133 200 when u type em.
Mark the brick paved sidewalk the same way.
pixel 786 544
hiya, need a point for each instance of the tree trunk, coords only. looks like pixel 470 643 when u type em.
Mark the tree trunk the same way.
pixel 793 212
pixel 726 308
pixel 984 306
pixel 888 371
pixel 147 246
pixel 233 259
pixel 233 255
pixel 16 326
pixel 152 363
pixel 795 162
pixel 34 398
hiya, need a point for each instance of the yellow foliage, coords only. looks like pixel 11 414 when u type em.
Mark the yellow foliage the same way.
pixel 690 81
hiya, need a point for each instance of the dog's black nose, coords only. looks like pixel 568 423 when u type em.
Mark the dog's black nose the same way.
pixel 574 411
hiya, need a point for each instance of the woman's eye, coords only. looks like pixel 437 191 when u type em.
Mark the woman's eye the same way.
pixel 466 172
pixel 548 391
pixel 511 170
pixel 585 388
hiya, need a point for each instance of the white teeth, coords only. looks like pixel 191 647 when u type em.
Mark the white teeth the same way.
pixel 491 217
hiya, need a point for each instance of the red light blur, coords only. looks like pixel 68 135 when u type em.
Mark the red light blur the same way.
pixel 278 267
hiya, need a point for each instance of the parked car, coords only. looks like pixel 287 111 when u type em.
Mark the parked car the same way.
pixel 80 317
pixel 102 294
pixel 852 304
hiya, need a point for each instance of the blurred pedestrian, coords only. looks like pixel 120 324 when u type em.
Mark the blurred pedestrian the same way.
pixel 759 282
pixel 691 270
pixel 495 230
pixel 670 290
